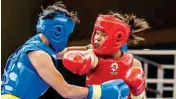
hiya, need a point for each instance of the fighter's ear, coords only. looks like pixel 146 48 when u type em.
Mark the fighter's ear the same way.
pixel 57 30
pixel 119 36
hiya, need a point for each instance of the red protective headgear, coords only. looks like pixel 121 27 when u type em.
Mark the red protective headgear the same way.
pixel 117 33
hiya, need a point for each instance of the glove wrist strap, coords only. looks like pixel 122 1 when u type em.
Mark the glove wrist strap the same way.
pixel 94 92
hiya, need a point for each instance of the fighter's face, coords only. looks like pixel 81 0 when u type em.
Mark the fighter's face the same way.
pixel 99 38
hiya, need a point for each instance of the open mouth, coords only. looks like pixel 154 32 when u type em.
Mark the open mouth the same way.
pixel 96 45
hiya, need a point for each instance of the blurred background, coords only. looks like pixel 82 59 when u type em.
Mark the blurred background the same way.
pixel 19 19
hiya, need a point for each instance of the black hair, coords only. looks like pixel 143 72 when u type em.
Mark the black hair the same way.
pixel 50 12
pixel 138 25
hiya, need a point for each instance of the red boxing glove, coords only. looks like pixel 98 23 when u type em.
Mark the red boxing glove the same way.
pixel 78 62
pixel 136 80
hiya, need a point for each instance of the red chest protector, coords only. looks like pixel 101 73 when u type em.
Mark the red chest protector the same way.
pixel 108 69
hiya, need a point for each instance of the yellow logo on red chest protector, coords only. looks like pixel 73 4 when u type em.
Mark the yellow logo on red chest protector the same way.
pixel 114 67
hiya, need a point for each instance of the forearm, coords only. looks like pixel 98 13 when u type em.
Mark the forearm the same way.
pixel 83 48
pixel 76 92
pixel 55 80
pixel 72 91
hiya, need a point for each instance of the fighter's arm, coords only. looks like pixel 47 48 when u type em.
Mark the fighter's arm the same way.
pixel 71 48
pixel 83 48
pixel 136 80
pixel 44 66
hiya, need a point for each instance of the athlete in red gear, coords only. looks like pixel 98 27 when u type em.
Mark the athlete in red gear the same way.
pixel 105 61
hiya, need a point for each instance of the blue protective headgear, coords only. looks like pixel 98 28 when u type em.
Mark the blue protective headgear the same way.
pixel 57 30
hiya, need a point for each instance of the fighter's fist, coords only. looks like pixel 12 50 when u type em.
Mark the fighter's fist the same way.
pixel 78 62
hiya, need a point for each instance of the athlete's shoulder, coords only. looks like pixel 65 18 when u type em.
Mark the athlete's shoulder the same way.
pixel 136 63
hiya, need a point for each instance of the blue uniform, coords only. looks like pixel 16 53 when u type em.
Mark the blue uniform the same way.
pixel 20 77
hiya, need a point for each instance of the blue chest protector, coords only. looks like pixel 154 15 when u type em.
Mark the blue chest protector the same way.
pixel 20 77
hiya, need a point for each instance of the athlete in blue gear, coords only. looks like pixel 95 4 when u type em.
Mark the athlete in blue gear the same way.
pixel 31 69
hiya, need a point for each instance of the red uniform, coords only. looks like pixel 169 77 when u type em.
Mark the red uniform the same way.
pixel 108 69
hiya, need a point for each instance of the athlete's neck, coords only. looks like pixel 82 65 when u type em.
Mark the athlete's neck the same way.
pixel 44 39
pixel 118 54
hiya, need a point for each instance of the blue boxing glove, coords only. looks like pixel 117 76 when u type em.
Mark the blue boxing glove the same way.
pixel 113 89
